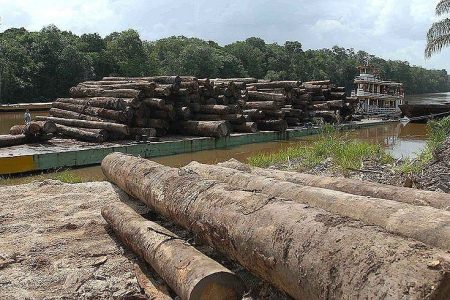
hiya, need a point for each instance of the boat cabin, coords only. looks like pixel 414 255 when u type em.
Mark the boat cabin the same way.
pixel 376 96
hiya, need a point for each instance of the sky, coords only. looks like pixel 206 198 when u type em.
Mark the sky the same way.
pixel 391 29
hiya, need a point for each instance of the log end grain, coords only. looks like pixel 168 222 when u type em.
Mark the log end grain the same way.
pixel 219 286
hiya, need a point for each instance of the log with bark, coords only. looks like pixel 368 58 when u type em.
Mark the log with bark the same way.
pixel 114 127
pixel 190 273
pixel 293 246
pixel 205 128
pixel 250 127
pixel 218 109
pixel 263 96
pixel 80 92
pixel 123 116
pixel 103 102
pixel 8 140
pixel 93 135
pixel 396 217
pixel 272 125
pixel 34 128
pixel 151 287
pixel 232 118
pixel 262 105
pixel 351 186
pixel 275 84
pixel 254 114
pixel 67 114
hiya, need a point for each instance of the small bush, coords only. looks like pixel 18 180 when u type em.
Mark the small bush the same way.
pixel 67 177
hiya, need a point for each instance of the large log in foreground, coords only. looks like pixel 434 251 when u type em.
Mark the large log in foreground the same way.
pixel 114 127
pixel 190 273
pixel 351 186
pixel 305 251
pixel 396 217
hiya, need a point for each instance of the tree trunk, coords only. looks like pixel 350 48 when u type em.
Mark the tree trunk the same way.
pixel 190 273
pixel 351 186
pixel 205 128
pixel 67 114
pixel 232 118
pixel 318 82
pixel 34 128
pixel 103 102
pixel 155 103
pixel 263 105
pixel 305 251
pixel 217 109
pixel 152 289
pixel 272 125
pixel 123 116
pixel 139 131
pixel 262 96
pixel 275 84
pixel 20 139
pixel 80 134
pixel 81 92
pixel 146 87
pixel 114 127
pixel 250 127
pixel 254 114
pixel 396 217
pixel 183 113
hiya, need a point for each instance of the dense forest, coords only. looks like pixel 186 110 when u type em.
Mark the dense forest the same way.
pixel 39 66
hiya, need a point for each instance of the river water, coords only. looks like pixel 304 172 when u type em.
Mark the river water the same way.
pixel 400 140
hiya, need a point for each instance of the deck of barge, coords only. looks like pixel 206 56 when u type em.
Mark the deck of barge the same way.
pixel 62 153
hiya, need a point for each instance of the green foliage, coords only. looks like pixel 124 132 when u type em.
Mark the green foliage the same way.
pixel 438 35
pixel 43 65
pixel 67 177
pixel 344 153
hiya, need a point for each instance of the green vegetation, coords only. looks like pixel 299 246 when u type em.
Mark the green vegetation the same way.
pixel 438 35
pixel 65 176
pixel 43 65
pixel 345 153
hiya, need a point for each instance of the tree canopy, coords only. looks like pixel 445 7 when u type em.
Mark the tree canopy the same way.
pixel 43 65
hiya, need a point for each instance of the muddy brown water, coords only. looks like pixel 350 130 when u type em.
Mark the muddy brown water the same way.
pixel 9 119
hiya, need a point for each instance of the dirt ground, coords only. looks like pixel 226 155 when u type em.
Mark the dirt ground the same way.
pixel 54 244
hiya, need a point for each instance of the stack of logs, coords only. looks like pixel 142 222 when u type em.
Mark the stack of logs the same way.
pixel 32 132
pixel 145 108
pixel 312 237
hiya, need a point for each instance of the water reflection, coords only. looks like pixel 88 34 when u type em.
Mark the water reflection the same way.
pixel 435 98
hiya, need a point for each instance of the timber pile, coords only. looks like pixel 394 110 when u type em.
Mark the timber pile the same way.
pixel 285 231
pixel 33 132
pixel 329 102
pixel 143 108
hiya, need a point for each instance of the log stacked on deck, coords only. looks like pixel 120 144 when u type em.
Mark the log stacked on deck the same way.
pixel 32 132
pixel 143 107
pixel 329 102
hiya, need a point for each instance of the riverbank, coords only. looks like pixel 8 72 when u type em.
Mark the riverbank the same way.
pixel 335 154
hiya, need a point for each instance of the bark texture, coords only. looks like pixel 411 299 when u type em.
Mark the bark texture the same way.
pixel 396 217
pixel 307 252
pixel 356 187
pixel 114 127
pixel 190 273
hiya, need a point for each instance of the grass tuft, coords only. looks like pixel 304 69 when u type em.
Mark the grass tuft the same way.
pixel 344 153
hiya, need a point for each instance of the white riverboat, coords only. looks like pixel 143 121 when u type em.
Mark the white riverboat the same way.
pixel 376 96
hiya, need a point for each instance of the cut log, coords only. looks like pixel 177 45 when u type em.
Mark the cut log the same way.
pixel 318 82
pixel 12 140
pixel 103 102
pixel 147 87
pixel 232 118
pixel 114 127
pixel 80 134
pixel 67 114
pixel 275 84
pixel 396 217
pixel 263 105
pixel 94 92
pixel 139 131
pixel 205 128
pixel 263 96
pixel 123 116
pixel 254 114
pixel 352 186
pixel 216 109
pixel 281 240
pixel 272 125
pixel 32 128
pixel 250 127
pixel 190 273
pixel 155 102
pixel 183 113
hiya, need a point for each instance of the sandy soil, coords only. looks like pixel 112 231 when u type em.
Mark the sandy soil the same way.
pixel 54 244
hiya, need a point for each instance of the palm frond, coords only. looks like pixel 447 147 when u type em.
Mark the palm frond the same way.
pixel 443 7
pixel 436 45
pixel 438 28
